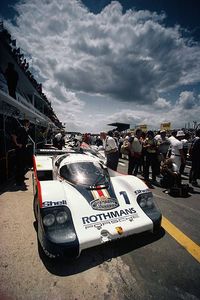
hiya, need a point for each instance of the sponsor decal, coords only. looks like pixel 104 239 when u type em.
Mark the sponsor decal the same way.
pixel 119 230
pixel 100 193
pixel 104 203
pixel 137 192
pixel 53 203
pixel 113 221
pixel 39 165
pixel 110 217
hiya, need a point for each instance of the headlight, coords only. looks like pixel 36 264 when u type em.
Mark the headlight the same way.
pixel 142 203
pixel 71 236
pixel 150 202
pixel 145 200
pixel 48 220
pixel 58 225
pixel 61 217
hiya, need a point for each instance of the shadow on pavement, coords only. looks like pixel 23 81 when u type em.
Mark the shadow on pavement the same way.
pixel 11 186
pixel 194 191
pixel 97 255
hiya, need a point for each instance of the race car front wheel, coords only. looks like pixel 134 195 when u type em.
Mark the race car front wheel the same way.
pixel 35 207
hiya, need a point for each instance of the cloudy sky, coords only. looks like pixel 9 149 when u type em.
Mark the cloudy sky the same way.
pixel 102 61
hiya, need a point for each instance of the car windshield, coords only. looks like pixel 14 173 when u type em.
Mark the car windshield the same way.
pixel 85 173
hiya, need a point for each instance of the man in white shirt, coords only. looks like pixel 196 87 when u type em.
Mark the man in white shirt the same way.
pixel 111 150
pixel 176 150
pixel 181 137
pixel 163 143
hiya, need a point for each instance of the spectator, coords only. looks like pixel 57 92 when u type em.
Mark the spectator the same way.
pixel 86 138
pixel 163 144
pixel 135 152
pixel 20 139
pixel 125 146
pixel 121 140
pixel 78 139
pixel 92 139
pixel 143 156
pixel 195 155
pixel 98 141
pixel 182 137
pixel 150 146
pixel 176 149
pixel 111 150
pixel 171 176
pixel 116 137
pixel 12 78
pixel 59 140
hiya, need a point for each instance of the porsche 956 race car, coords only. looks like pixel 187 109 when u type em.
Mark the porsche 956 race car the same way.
pixel 79 203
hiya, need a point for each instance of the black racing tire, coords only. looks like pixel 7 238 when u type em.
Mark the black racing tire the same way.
pixel 156 230
pixel 35 208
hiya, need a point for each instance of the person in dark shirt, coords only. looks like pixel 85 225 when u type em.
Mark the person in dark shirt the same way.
pixel 150 146
pixel 195 155
pixel 98 141
pixel 20 139
pixel 12 79
pixel 171 175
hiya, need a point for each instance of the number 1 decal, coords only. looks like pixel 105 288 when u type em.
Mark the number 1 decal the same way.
pixel 124 194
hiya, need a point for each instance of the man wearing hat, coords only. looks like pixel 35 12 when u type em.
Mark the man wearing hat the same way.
pixel 180 134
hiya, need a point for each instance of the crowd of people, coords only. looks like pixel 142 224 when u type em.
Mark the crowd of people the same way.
pixel 12 77
pixel 161 153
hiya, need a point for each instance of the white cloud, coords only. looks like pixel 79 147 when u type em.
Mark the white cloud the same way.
pixel 187 100
pixel 162 103
pixel 131 57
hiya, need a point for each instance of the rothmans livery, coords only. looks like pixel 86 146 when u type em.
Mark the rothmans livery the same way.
pixel 79 203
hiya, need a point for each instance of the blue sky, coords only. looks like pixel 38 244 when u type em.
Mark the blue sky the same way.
pixel 104 61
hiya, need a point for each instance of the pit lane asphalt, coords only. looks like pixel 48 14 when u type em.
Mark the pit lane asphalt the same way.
pixel 139 267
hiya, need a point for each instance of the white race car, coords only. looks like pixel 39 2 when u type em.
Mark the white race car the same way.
pixel 79 203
